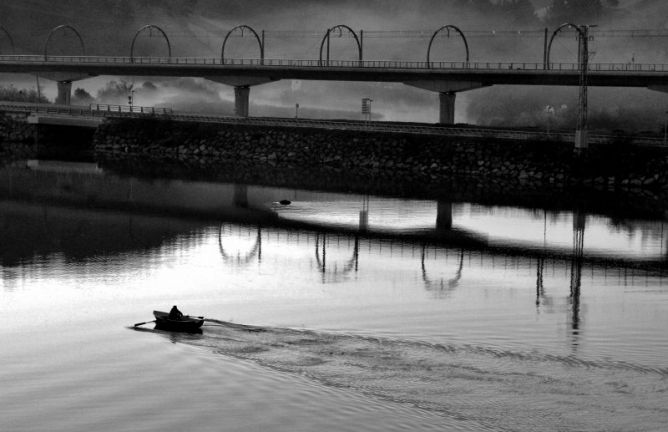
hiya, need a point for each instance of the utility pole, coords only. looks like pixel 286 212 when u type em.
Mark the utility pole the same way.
pixel 545 65
pixel 581 141
pixel 39 90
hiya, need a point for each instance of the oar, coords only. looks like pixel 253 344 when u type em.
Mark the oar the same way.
pixel 142 323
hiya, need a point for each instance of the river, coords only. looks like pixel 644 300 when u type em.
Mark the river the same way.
pixel 331 311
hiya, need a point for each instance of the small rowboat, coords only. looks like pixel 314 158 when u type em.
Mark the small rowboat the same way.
pixel 185 324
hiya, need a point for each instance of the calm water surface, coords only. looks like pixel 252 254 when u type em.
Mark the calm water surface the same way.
pixel 365 313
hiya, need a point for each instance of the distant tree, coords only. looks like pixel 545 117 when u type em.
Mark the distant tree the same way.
pixel 115 92
pixel 13 94
pixel 81 96
pixel 149 86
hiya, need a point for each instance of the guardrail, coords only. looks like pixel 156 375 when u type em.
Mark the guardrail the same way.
pixel 94 110
pixel 307 63
pixel 127 111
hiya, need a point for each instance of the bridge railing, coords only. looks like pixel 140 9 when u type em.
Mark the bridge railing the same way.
pixel 312 63
pixel 95 110
pixel 107 108
pixel 27 107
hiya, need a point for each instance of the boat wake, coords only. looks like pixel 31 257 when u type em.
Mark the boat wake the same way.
pixel 497 389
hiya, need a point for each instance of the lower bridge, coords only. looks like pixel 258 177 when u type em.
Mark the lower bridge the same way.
pixel 93 115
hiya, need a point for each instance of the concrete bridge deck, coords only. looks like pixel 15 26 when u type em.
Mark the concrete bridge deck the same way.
pixel 446 78
pixel 484 73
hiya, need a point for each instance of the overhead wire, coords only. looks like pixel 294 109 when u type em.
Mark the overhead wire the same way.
pixel 473 33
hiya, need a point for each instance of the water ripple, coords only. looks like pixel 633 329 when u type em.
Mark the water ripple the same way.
pixel 465 382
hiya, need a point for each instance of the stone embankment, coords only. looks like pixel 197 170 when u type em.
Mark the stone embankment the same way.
pixel 500 164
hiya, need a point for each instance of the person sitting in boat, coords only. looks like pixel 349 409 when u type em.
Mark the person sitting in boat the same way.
pixel 175 313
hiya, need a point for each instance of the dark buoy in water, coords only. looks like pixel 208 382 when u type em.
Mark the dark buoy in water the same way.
pixel 285 202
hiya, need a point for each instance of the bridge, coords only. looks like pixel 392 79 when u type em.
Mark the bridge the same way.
pixel 446 78
pixel 93 115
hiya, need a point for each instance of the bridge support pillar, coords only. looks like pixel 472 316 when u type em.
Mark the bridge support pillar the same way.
pixel 447 93
pixel 242 85
pixel 581 140
pixel 64 82
pixel 446 114
pixel 240 198
pixel 443 216
pixel 64 93
pixel 364 220
pixel 241 100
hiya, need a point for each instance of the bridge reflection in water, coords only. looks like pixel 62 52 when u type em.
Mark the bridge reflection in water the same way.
pixel 324 238
pixel 352 260
pixel 509 230
pixel 344 257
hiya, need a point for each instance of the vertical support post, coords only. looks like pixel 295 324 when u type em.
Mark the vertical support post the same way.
pixel 64 93
pixel 447 107
pixel 329 32
pixel 39 89
pixel 579 57
pixel 361 46
pixel 581 141
pixel 241 100
pixel 262 49
pixel 576 267
pixel 364 218
pixel 545 66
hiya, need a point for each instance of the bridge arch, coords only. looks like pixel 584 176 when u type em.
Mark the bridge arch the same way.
pixel 559 29
pixel 321 258
pixel 254 252
pixel 9 37
pixel 146 27
pixel 447 28
pixel 439 286
pixel 327 37
pixel 260 41
pixel 63 27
